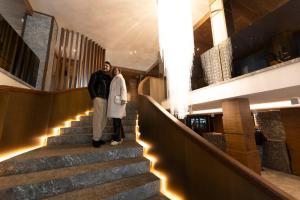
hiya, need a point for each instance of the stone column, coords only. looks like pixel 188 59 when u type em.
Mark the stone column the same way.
pixel 40 33
pixel 239 133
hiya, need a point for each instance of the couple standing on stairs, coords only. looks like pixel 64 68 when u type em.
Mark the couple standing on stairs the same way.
pixel 109 98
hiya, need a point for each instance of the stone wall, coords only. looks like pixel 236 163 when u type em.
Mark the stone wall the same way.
pixel 38 34
pixel 275 149
pixel 270 124
pixel 14 12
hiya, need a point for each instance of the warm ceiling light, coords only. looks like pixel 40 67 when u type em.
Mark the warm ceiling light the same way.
pixel 176 41
pixel 253 107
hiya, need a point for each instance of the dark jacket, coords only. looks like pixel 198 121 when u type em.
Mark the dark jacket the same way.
pixel 99 85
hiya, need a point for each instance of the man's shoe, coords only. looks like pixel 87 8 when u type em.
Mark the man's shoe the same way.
pixel 101 142
pixel 97 144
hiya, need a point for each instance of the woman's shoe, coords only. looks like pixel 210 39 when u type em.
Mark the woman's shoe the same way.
pixel 114 143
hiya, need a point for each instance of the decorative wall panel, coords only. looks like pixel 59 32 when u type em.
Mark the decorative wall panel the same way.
pixel 76 59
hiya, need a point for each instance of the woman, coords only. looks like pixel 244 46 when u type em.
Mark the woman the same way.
pixel 116 108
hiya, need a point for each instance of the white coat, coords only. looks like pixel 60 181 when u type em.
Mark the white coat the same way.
pixel 117 88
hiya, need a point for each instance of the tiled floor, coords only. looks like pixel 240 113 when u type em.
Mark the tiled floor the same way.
pixel 286 182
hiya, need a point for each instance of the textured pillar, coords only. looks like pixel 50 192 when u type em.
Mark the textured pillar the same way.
pixel 239 133
pixel 40 32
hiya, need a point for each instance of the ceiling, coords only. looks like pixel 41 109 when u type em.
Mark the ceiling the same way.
pixel 127 29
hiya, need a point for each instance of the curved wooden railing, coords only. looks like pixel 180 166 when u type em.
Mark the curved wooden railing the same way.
pixel 196 169
pixel 26 114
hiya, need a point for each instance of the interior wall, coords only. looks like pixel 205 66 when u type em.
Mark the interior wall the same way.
pixel 13 11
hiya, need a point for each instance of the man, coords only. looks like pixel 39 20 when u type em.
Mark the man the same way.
pixel 260 141
pixel 99 85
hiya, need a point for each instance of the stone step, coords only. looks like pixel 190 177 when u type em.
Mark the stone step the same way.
pixel 158 197
pixel 90 118
pixel 109 123
pixel 89 130
pixel 49 183
pixel 68 156
pixel 82 138
pixel 128 112
pixel 138 187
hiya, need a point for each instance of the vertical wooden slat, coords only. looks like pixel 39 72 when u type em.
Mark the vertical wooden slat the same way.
pixel 92 58
pixel 70 58
pixel 81 53
pixel 103 58
pixel 59 59
pixel 100 59
pixel 85 67
pixel 96 57
pixel 62 77
pixel 75 66
pixel 88 62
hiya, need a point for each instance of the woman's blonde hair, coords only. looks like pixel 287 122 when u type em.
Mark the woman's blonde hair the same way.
pixel 115 68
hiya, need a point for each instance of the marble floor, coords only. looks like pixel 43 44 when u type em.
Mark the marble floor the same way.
pixel 287 182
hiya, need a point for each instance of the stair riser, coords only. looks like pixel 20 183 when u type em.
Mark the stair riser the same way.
pixel 128 112
pixel 89 130
pixel 81 139
pixel 55 162
pixel 66 184
pixel 139 193
pixel 109 123
pixel 90 118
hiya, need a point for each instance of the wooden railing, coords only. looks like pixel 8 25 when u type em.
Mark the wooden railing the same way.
pixel 196 169
pixel 25 115
pixel 15 55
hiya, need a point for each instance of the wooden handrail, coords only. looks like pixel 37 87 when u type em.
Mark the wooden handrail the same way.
pixel 157 112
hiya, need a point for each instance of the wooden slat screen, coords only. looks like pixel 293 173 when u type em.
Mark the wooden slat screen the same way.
pixel 15 55
pixel 76 59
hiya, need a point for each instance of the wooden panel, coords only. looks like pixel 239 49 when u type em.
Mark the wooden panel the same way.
pixel 20 125
pixel 97 57
pixel 62 76
pixel 218 123
pixel 80 62
pixel 93 57
pixel 69 66
pixel 76 63
pixel 239 133
pixel 291 122
pixel 85 66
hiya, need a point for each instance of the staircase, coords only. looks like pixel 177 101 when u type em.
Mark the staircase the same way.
pixel 70 168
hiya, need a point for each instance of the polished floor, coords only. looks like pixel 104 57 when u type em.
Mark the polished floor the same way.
pixel 286 182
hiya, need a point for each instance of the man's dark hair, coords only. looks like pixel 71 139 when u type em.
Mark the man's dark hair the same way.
pixel 106 62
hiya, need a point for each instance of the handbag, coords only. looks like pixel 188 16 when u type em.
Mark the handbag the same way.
pixel 118 99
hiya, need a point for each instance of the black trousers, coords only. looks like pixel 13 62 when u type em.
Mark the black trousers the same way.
pixel 118 129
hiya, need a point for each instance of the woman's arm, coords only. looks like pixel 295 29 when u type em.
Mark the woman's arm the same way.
pixel 123 90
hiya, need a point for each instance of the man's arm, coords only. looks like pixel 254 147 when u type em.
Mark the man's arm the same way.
pixel 91 87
